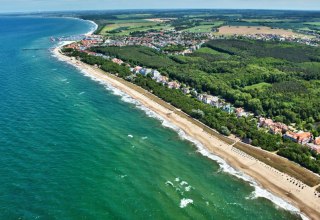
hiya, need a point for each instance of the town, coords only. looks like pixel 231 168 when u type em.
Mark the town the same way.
pixel 190 43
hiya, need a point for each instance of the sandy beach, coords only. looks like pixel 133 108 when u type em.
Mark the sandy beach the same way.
pixel 276 182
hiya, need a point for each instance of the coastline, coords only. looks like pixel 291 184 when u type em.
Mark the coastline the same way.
pixel 270 179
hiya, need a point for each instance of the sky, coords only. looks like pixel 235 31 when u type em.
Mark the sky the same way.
pixel 59 5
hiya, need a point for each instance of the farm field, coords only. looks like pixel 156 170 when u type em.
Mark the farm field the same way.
pixel 244 30
pixel 125 27
pixel 204 27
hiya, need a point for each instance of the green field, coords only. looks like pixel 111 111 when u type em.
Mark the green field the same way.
pixel 268 20
pixel 313 23
pixel 125 27
pixel 200 29
pixel 204 27
pixel 261 87
pixel 132 16
pixel 208 50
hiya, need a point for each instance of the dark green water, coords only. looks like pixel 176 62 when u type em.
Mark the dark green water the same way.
pixel 72 149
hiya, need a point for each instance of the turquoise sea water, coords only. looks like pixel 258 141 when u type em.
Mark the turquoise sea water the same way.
pixel 72 149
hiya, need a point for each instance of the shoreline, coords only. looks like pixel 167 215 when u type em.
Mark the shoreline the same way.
pixel 255 172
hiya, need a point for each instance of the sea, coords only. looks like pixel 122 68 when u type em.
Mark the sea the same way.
pixel 72 147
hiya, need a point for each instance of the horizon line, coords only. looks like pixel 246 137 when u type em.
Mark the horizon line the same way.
pixel 159 9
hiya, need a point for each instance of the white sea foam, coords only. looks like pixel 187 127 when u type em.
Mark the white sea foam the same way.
pixel 130 135
pixel 93 28
pixel 187 188
pixel 183 183
pixel 177 179
pixel 185 202
pixel 258 190
pixel 169 183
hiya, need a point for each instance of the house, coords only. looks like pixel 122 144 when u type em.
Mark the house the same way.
pixel 117 61
pixel 275 130
pixel 227 108
pixel 173 85
pixel 207 99
pixel 265 122
pixel 200 97
pixel 137 69
pixel 274 127
pixel 300 137
pixel 162 79
pixel 185 90
pixel 145 71
pixel 240 112
pixel 317 141
pixel 314 147
pixel 216 102
pixel 155 74
pixel 73 46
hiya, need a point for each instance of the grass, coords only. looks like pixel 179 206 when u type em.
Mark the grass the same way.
pixel 312 23
pixel 260 86
pixel 128 16
pixel 213 23
pixel 204 27
pixel 125 28
pixel 200 29
pixel 267 20
pixel 211 51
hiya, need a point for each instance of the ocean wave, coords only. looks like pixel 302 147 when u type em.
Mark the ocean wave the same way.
pixel 185 202
pixel 224 166
pixel 93 28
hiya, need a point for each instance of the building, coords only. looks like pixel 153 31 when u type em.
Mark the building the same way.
pixel 265 122
pixel 186 90
pixel 173 85
pixel 274 127
pixel 241 113
pixel 300 137
pixel 145 71
pixel 117 61
pixel 314 147
pixel 228 108
pixel 200 97
pixel 207 99
pixel 155 74
pixel 137 69
pixel 162 79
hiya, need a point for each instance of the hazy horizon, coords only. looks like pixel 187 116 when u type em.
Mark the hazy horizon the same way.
pixel 11 6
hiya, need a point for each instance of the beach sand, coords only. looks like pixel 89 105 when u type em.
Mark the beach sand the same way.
pixel 277 183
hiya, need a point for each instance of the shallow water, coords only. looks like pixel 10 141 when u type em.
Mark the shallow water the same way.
pixel 73 149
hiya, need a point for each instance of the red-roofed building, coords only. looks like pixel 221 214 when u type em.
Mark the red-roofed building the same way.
pixel 117 61
pixel 301 137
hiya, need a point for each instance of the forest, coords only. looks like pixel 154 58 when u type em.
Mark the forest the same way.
pixel 244 80
pixel 272 79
